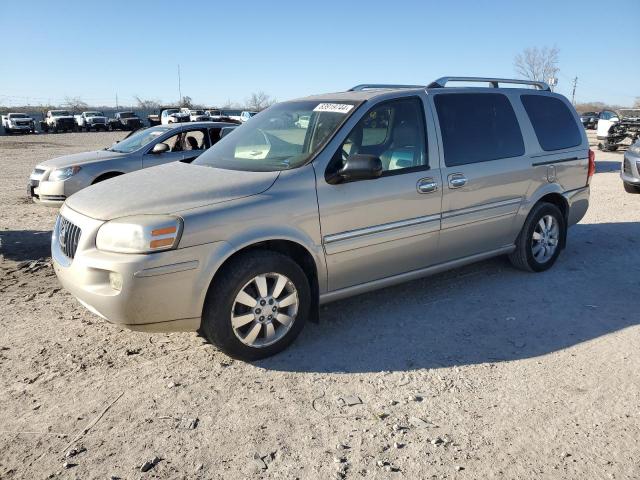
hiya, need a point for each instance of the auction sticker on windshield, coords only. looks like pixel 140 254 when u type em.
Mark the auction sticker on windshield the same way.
pixel 333 107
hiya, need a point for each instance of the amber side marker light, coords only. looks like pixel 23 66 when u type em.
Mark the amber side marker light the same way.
pixel 163 242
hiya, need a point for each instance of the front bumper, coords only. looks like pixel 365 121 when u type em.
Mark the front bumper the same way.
pixel 21 128
pixel 630 169
pixel 163 291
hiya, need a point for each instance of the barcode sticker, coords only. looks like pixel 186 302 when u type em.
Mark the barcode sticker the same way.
pixel 333 107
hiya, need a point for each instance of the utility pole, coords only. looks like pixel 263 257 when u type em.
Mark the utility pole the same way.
pixel 179 86
pixel 116 100
pixel 573 94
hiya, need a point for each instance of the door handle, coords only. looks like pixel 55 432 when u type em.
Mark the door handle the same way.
pixel 457 180
pixel 427 185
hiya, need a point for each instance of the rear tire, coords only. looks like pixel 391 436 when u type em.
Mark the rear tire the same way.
pixel 542 237
pixel 237 279
pixel 629 188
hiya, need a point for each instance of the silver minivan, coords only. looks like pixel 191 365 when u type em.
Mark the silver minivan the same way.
pixel 382 184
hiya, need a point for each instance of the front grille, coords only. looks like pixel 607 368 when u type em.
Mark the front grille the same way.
pixel 24 123
pixel 626 167
pixel 98 120
pixel 68 237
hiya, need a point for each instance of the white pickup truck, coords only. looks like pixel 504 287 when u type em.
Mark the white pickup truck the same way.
pixel 91 120
pixel 58 121
pixel 196 115
pixel 18 122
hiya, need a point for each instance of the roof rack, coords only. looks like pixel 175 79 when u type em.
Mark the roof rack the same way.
pixel 371 86
pixel 442 82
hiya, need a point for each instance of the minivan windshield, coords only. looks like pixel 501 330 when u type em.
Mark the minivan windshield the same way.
pixel 280 138
pixel 138 140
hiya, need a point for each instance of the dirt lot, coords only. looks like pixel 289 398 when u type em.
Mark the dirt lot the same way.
pixel 483 372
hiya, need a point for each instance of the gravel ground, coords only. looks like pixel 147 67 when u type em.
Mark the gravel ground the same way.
pixel 482 372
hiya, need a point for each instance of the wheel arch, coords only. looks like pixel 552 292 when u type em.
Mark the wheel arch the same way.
pixel 314 270
pixel 551 193
pixel 106 176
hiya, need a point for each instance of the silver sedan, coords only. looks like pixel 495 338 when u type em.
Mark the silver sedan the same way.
pixel 52 181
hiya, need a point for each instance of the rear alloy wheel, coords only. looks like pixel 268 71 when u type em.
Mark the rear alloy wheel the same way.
pixel 541 239
pixel 257 305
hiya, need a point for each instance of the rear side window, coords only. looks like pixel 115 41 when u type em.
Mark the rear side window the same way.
pixel 552 121
pixel 478 127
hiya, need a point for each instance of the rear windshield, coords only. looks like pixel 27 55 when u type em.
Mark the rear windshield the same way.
pixel 478 127
pixel 552 121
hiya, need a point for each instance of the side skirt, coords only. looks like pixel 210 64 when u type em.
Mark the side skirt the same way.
pixel 412 275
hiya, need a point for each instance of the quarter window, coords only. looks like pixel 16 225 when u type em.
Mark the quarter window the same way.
pixel 393 131
pixel 477 127
pixel 552 121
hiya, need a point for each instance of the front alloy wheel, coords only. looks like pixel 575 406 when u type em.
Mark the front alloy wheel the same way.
pixel 264 310
pixel 257 305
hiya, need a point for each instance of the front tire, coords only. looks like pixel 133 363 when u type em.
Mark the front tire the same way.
pixel 257 305
pixel 542 236
pixel 629 188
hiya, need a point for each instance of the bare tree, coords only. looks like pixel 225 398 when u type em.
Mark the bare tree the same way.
pixel 637 104
pixel 231 105
pixel 75 104
pixel 147 104
pixel 187 102
pixel 538 64
pixel 259 101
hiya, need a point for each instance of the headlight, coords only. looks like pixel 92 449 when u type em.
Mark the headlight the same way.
pixel 63 173
pixel 140 234
pixel 635 148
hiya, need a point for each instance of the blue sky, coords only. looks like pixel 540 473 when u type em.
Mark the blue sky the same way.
pixel 228 49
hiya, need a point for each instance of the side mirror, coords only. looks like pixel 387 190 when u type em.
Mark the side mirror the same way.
pixel 160 148
pixel 358 167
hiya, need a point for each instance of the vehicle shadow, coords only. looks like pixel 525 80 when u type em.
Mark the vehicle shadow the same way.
pixel 482 313
pixel 605 166
pixel 21 245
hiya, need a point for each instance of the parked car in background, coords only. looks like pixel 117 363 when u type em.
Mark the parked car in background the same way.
pixel 18 122
pixel 232 114
pixel 589 120
pixel 630 171
pixel 173 115
pixel 303 121
pixel 246 115
pixel 217 115
pixel 91 120
pixel 53 181
pixel 164 114
pixel 616 127
pixel 195 115
pixel 125 121
pixel 58 121
pixel 384 185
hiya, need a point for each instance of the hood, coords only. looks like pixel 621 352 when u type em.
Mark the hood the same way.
pixel 81 158
pixel 169 188
pixel 96 116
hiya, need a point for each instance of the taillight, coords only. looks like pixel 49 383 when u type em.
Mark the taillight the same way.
pixel 592 164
